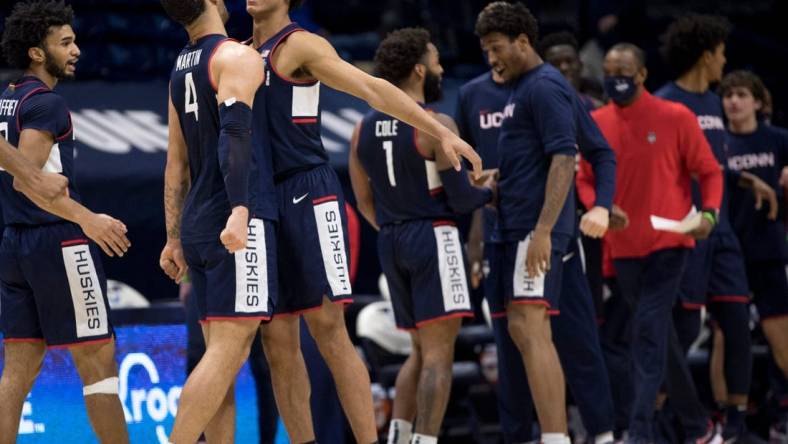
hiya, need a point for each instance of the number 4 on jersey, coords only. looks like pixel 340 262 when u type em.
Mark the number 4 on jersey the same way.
pixel 191 96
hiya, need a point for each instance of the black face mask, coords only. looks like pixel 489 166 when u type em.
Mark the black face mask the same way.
pixel 620 89
pixel 432 87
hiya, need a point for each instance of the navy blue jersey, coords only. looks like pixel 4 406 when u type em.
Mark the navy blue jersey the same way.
pixel 479 117
pixel 707 107
pixel 28 103
pixel 763 153
pixel 193 94
pixel 406 185
pixel 540 121
pixel 292 110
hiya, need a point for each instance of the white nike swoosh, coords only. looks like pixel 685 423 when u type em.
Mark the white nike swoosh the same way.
pixel 296 200
pixel 568 256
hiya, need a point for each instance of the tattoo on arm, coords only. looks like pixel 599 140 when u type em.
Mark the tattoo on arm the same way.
pixel 174 196
pixel 559 181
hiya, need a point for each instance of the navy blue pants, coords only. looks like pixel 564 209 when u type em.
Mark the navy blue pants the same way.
pixel 650 285
pixel 576 340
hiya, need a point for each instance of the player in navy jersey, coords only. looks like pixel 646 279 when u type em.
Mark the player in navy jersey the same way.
pixel 537 147
pixel 311 232
pixel 406 188
pixel 53 282
pixel 479 114
pixel 694 50
pixel 215 226
pixel 754 147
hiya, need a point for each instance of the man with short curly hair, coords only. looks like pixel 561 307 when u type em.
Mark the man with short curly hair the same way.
pixel 53 283
pixel 715 275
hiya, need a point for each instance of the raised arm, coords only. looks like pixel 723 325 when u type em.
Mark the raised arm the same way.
pixel 359 180
pixel 238 73
pixel 319 59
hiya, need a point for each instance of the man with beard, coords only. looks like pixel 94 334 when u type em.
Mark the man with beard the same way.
pixel 405 187
pixel 217 226
pixel 312 223
pixel 53 283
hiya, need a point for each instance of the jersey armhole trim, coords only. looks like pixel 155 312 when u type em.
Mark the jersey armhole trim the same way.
pixel 210 59
pixel 273 65
pixel 416 145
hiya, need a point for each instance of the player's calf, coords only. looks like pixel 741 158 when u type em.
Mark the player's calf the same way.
pixel 290 381
pixel 21 367
pixel 327 326
pixel 99 373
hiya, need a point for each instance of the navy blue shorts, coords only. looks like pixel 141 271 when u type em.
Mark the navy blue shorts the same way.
pixel 515 286
pixel 714 272
pixel 313 242
pixel 424 264
pixel 769 284
pixel 235 286
pixel 53 287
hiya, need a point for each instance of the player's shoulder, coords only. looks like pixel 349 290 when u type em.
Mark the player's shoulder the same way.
pixel 479 82
pixel 547 81
pixel 444 119
pixel 46 98
pixel 232 51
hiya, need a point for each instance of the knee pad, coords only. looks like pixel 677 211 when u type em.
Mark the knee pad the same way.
pixel 108 386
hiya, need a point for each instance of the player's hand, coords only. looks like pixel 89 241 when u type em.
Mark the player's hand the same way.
pixel 537 258
pixel 762 191
pixel 595 222
pixel 618 218
pixel 172 261
pixel 454 147
pixel 108 232
pixel 42 186
pixel 233 236
pixel 703 231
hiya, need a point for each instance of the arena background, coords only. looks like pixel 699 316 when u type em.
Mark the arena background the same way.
pixel 118 104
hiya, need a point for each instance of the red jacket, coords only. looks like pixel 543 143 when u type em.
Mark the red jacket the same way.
pixel 659 146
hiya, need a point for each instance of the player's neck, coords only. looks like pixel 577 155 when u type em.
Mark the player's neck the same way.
pixel 694 80
pixel 41 74
pixel 415 92
pixel 267 26
pixel 744 126
pixel 207 25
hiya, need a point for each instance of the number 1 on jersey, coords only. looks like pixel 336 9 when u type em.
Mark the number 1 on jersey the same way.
pixel 4 130
pixel 191 96
pixel 388 147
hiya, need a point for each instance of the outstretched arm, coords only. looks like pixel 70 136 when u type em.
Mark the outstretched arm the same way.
pixel 314 54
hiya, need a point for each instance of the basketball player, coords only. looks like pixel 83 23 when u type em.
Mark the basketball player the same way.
pixel 53 283
pixel 479 114
pixel 406 188
pixel 33 183
pixel 313 257
pixel 537 147
pixel 694 50
pixel 213 223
